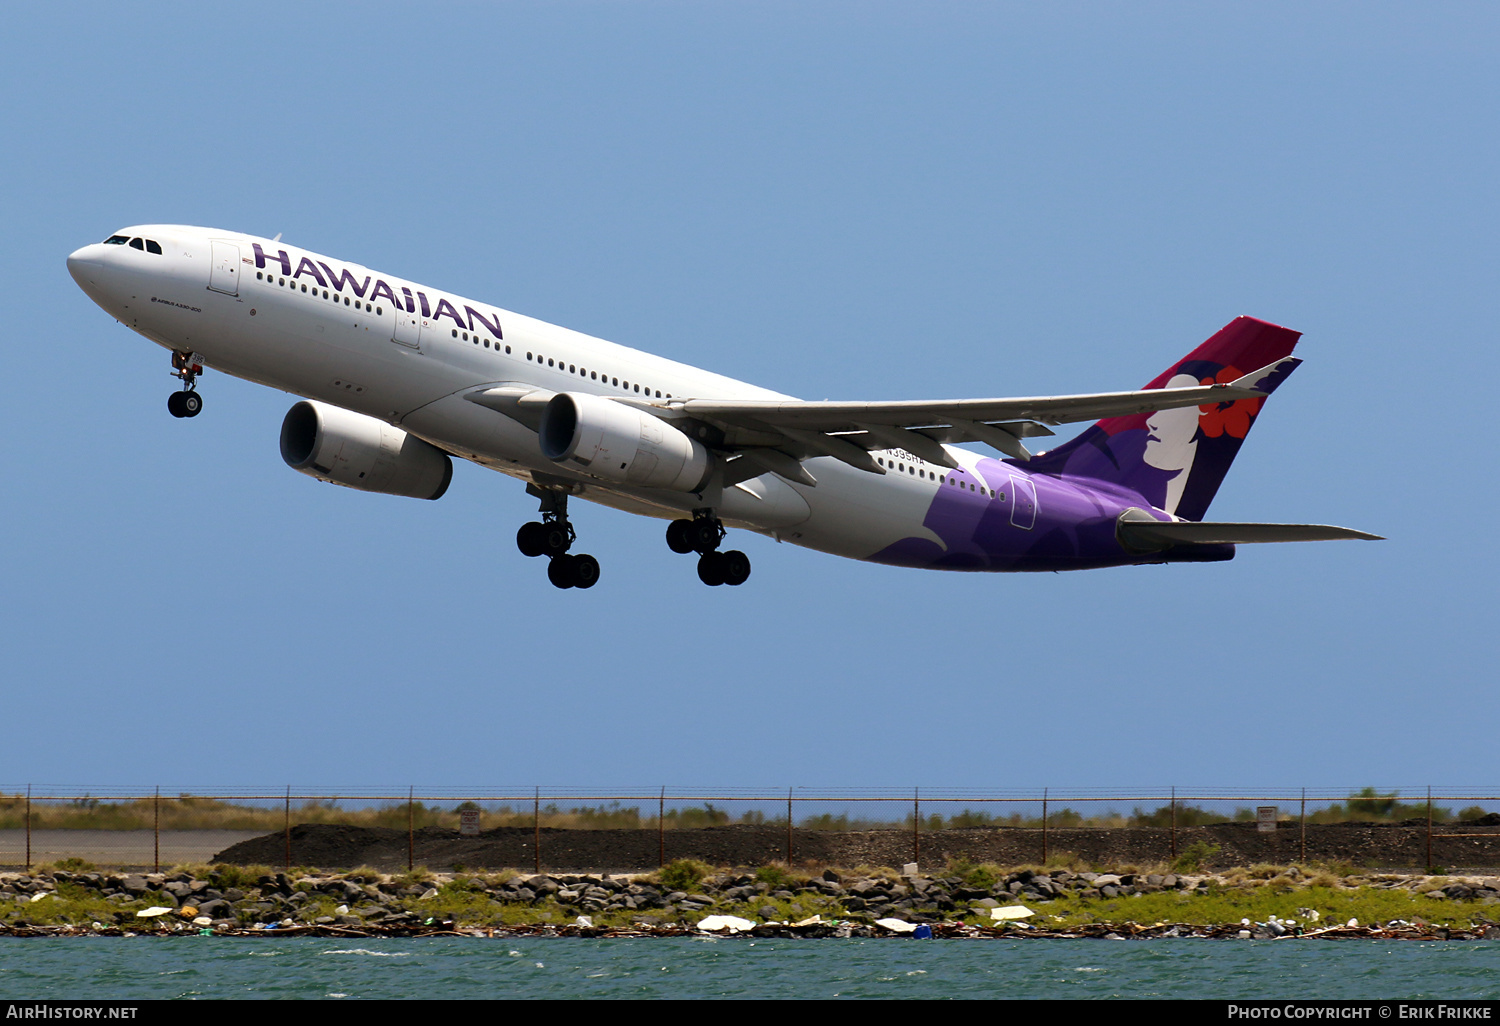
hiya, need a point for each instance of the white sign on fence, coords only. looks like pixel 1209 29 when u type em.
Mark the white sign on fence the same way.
pixel 1265 818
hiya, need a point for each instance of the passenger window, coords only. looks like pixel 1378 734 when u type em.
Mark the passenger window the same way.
pixel 137 244
pixel 152 247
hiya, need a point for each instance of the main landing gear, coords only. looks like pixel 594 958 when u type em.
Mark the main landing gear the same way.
pixel 552 537
pixel 186 403
pixel 702 535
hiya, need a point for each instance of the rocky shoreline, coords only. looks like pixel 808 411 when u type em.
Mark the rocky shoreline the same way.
pixel 689 898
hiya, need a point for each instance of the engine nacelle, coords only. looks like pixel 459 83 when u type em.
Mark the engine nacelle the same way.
pixel 621 444
pixel 361 452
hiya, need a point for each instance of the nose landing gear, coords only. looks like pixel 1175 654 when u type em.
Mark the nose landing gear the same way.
pixel 702 535
pixel 552 537
pixel 186 403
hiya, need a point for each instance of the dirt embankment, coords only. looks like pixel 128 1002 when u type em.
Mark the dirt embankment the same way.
pixel 1356 844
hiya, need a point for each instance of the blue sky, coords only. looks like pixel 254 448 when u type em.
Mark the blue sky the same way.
pixel 836 200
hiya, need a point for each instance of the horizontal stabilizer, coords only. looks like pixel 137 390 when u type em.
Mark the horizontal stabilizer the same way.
pixel 1154 535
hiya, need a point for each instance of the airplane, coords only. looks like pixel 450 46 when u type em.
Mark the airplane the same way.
pixel 397 379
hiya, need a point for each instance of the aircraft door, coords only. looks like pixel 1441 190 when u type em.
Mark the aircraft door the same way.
pixel 1023 503
pixel 408 328
pixel 224 268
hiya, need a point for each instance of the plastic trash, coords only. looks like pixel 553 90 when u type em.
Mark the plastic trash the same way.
pixel 896 925
pixel 734 924
pixel 922 932
pixel 1011 912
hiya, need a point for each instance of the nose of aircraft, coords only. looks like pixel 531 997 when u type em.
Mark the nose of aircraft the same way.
pixel 82 262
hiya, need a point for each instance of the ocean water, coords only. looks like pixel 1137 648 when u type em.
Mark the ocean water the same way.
pixel 455 967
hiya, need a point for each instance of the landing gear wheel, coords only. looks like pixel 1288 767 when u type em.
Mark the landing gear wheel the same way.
pixel 560 572
pixel 531 539
pixel 711 569
pixel 585 570
pixel 192 404
pixel 556 538
pixel 704 534
pixel 680 536
pixel 735 566
pixel 174 404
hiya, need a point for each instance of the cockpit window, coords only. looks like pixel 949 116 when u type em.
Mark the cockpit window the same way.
pixel 137 244
pixel 152 247
pixel 117 240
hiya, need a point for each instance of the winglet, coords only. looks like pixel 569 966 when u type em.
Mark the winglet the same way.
pixel 1253 380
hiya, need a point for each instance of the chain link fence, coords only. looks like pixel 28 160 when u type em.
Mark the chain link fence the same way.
pixel 536 828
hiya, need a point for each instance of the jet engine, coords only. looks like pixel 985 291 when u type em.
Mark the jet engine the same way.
pixel 622 444
pixel 361 452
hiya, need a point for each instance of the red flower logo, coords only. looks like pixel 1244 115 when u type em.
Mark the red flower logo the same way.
pixel 1235 417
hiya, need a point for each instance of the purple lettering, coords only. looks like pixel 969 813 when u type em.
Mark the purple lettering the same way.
pixel 475 315
pixel 306 267
pixel 445 309
pixel 260 259
pixel 381 288
pixel 425 311
pixel 338 281
pixel 411 304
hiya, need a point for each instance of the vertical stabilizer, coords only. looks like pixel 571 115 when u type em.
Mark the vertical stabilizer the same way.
pixel 1176 459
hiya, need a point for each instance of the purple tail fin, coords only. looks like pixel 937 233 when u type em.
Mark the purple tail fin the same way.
pixel 1176 459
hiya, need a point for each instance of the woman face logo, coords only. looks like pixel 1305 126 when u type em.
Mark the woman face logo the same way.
pixel 1170 441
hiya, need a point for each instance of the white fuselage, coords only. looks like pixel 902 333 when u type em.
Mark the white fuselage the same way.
pixel 407 354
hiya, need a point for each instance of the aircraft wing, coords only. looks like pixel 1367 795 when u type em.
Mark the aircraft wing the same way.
pixel 848 430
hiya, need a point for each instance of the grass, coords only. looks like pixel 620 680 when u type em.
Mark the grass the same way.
pixel 1230 905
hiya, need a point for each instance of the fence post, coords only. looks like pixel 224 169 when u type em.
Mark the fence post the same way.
pixel 288 827
pixel 536 827
pixel 1429 829
pixel 789 828
pixel 1302 818
pixel 28 828
pixel 411 828
pixel 1174 822
pixel 916 826
pixel 156 831
pixel 661 828
pixel 1044 826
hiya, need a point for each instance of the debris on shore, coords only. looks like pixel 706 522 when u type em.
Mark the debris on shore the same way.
pixel 693 899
